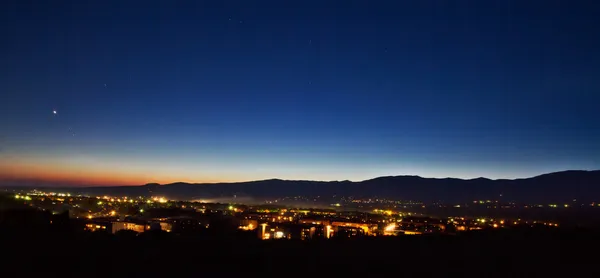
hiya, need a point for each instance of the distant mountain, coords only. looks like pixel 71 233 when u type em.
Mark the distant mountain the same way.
pixel 552 187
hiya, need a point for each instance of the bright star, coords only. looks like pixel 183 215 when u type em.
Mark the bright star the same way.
pixel 54 112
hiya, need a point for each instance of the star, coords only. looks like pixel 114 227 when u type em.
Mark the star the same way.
pixel 54 112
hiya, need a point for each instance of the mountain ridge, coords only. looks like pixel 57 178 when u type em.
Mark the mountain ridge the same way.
pixel 550 187
pixel 381 177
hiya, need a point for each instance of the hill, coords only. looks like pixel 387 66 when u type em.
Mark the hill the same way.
pixel 553 187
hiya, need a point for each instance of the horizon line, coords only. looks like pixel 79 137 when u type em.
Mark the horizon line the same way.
pixel 53 184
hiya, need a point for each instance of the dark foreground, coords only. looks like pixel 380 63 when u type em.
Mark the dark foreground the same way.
pixel 497 253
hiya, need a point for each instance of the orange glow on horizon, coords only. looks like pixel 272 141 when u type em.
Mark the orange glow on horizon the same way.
pixel 81 169
pixel 71 175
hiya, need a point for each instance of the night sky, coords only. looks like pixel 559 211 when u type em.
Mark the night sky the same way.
pixel 204 91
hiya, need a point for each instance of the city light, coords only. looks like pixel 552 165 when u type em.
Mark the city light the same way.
pixel 326 223
pixel 279 234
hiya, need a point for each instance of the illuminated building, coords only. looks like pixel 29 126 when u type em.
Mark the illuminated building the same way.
pixel 263 232
pixel 412 233
pixel 276 233
pixel 328 231
pixel 161 226
pixel 248 225
pixel 291 231
pixel 315 222
pixel 92 227
pixel 391 230
pixel 346 225
pixel 136 227
pixel 165 226
pixel 461 228
pixel 186 224
pixel 422 225
pixel 307 233
pixel 349 232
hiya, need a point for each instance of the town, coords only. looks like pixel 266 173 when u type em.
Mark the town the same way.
pixel 112 214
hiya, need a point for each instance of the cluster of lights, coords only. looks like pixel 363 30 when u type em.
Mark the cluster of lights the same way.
pixel 247 228
pixel 390 228
pixel 50 194
pixel 387 212
pixel 161 200
pixel 94 227
pixel 234 209
pixel 25 197
pixel 279 234
pixel 500 223
pixel 125 199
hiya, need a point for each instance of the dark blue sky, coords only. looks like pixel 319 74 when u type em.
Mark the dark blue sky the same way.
pixel 237 90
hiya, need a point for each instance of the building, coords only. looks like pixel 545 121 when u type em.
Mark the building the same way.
pixel 93 227
pixel 421 225
pixel 349 232
pixel 294 231
pixel 274 232
pixel 186 225
pixel 314 222
pixel 366 228
pixel 248 225
pixel 161 226
pixel 136 227
pixel 165 226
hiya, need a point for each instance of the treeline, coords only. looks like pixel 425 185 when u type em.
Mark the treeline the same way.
pixel 500 253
